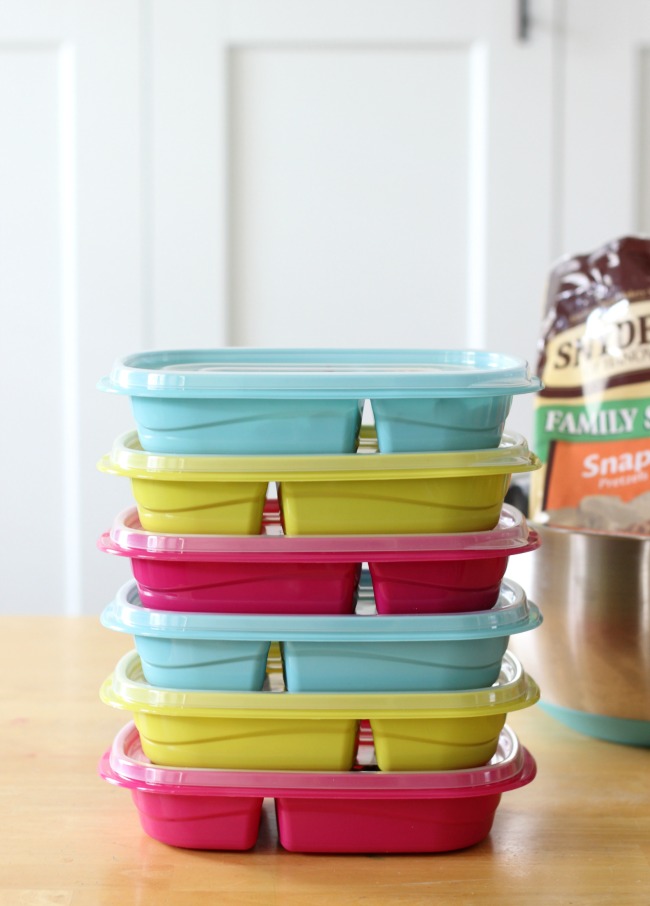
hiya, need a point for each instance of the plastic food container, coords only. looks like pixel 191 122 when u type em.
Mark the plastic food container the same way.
pixel 361 493
pixel 362 811
pixel 306 731
pixel 273 573
pixel 288 401
pixel 361 653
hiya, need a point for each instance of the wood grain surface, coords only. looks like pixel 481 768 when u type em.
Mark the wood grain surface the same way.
pixel 580 833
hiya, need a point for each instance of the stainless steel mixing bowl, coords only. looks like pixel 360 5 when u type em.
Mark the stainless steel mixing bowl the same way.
pixel 591 656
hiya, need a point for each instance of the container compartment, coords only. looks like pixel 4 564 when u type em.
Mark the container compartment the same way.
pixel 187 663
pixel 408 666
pixel 404 506
pixel 364 652
pixel 360 811
pixel 316 731
pixel 437 586
pixel 467 423
pixel 288 588
pixel 436 745
pixel 383 826
pixel 243 742
pixel 241 426
pixel 193 822
pixel 273 573
pixel 275 401
pixel 186 507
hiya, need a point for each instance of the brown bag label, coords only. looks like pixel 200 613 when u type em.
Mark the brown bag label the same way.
pixel 592 419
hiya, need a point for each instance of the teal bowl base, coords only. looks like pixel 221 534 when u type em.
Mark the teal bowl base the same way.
pixel 238 427
pixel 613 729
pixel 426 425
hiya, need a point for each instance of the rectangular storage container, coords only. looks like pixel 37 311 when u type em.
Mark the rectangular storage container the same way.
pixel 361 811
pixel 360 653
pixel 273 573
pixel 364 493
pixel 315 731
pixel 300 401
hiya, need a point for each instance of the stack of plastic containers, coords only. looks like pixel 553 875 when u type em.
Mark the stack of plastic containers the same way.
pixel 340 647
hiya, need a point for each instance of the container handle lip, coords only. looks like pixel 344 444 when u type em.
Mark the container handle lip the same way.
pixel 512 613
pixel 127 690
pixel 512 535
pixel 319 373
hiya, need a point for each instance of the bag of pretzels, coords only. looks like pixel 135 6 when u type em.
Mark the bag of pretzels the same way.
pixel 592 419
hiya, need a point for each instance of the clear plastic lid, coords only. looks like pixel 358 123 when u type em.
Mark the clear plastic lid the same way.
pixel 318 373
pixel 127 537
pixel 512 613
pixel 127 765
pixel 127 689
pixel 128 458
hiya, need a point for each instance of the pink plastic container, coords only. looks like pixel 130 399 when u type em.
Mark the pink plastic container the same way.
pixel 272 573
pixel 362 811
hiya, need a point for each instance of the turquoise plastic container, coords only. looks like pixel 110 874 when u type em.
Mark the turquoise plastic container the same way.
pixel 363 652
pixel 286 401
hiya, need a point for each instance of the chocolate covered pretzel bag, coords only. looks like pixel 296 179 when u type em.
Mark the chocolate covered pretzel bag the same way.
pixel 592 419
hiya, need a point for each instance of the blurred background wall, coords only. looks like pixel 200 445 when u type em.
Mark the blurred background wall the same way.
pixel 281 172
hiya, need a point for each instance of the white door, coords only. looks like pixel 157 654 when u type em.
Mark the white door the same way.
pixel 248 172
pixel 604 180
pixel 70 287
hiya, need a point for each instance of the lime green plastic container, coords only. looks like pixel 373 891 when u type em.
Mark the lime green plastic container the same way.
pixel 367 492
pixel 308 731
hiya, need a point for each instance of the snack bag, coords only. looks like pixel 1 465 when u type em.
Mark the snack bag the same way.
pixel 592 419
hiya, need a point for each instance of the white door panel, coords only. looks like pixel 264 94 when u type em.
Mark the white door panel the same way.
pixel 32 305
pixel 606 175
pixel 349 196
pixel 70 289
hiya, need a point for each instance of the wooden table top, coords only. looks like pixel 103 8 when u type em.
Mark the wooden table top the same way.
pixel 580 833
